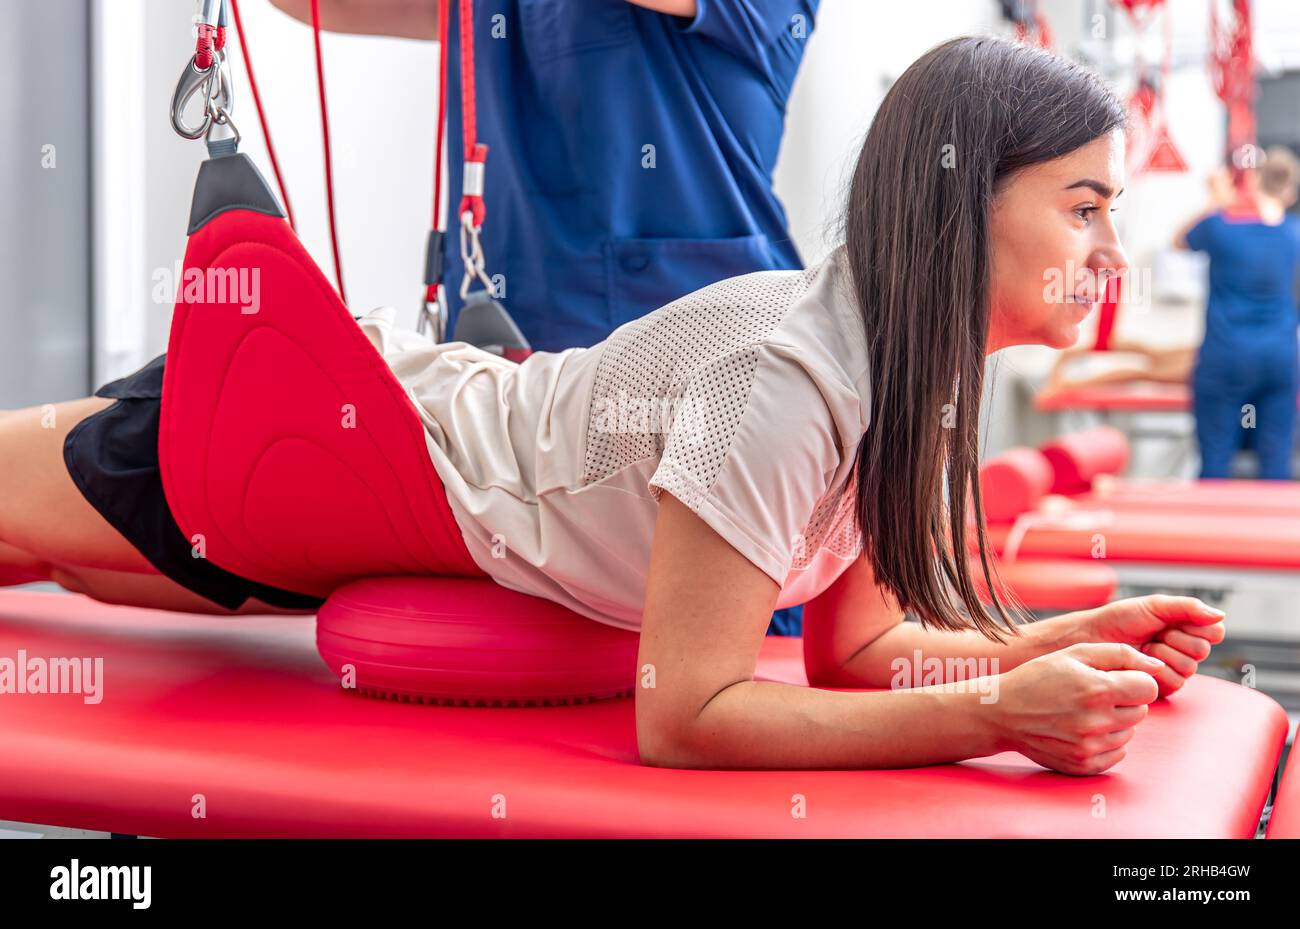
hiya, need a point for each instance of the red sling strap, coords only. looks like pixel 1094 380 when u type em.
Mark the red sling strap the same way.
pixel 475 156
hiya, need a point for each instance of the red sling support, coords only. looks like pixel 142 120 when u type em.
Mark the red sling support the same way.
pixel 285 438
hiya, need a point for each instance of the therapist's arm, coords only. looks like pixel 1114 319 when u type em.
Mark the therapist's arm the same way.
pixel 413 19
pixel 671 7
pixel 854 632
pixel 407 19
pixel 1222 194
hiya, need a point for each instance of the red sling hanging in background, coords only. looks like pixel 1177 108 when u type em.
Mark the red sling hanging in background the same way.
pixel 1232 72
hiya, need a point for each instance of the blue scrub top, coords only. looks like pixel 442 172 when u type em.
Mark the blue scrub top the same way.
pixel 630 154
pixel 1252 302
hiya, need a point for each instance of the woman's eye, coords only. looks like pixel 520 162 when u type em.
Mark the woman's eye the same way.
pixel 1084 212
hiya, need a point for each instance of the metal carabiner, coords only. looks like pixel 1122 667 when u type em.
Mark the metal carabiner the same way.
pixel 192 81
pixel 224 98
pixel 223 135
pixel 214 81
pixel 433 316
pixel 471 254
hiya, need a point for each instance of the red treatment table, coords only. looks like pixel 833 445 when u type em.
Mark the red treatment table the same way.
pixel 1163 547
pixel 242 712
pixel 1049 585
pixel 1285 821
pixel 1130 397
pixel 1135 397
pixel 1063 502
pixel 1245 498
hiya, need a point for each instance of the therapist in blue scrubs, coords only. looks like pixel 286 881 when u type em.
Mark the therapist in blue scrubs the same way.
pixel 631 145
pixel 1247 372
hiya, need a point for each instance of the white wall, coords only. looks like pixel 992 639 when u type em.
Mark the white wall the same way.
pixel 856 51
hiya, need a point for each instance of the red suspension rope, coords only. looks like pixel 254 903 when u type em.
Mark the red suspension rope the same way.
pixel 475 152
pixel 261 113
pixel 438 224
pixel 329 159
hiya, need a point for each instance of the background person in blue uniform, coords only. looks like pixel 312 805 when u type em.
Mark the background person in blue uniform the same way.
pixel 631 145
pixel 1247 372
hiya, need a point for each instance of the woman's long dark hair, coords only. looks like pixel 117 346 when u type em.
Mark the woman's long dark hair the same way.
pixel 958 122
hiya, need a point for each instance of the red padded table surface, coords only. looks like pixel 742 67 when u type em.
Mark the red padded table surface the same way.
pixel 244 712
pixel 1285 821
pixel 1048 584
pixel 1202 537
pixel 1228 496
pixel 1136 397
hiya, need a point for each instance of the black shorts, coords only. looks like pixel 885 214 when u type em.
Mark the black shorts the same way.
pixel 112 457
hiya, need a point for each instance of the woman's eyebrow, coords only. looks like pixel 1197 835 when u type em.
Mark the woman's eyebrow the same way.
pixel 1101 189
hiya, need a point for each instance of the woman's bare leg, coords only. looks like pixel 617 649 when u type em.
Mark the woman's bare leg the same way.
pixel 42 512
pixel 18 567
pixel 152 591
pixel 49 531
pixel 128 588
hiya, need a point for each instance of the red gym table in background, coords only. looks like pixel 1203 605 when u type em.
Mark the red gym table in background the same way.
pixel 1140 397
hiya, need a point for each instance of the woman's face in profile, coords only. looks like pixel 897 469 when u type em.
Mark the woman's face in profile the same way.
pixel 1053 245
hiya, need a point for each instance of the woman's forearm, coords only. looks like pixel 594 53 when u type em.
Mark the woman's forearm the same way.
pixel 912 653
pixel 767 725
pixel 407 19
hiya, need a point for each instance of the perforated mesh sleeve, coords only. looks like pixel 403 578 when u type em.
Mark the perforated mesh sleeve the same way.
pixel 752 451
pixel 645 363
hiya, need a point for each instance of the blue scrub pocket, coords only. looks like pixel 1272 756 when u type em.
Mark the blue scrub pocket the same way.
pixel 645 274
pixel 555 28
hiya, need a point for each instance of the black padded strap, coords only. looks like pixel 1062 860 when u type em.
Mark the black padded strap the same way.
pixel 231 182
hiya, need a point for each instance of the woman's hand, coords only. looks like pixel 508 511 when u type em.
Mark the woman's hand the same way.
pixel 1180 631
pixel 1073 710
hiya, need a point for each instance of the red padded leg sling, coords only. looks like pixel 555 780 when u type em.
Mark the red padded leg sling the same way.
pixel 290 454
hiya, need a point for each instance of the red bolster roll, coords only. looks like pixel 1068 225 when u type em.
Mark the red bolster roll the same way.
pixel 1078 458
pixel 1013 482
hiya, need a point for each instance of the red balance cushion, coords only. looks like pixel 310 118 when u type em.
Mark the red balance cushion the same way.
pixel 455 640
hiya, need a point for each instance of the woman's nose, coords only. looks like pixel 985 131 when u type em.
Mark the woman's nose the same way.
pixel 1106 266
pixel 1110 260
